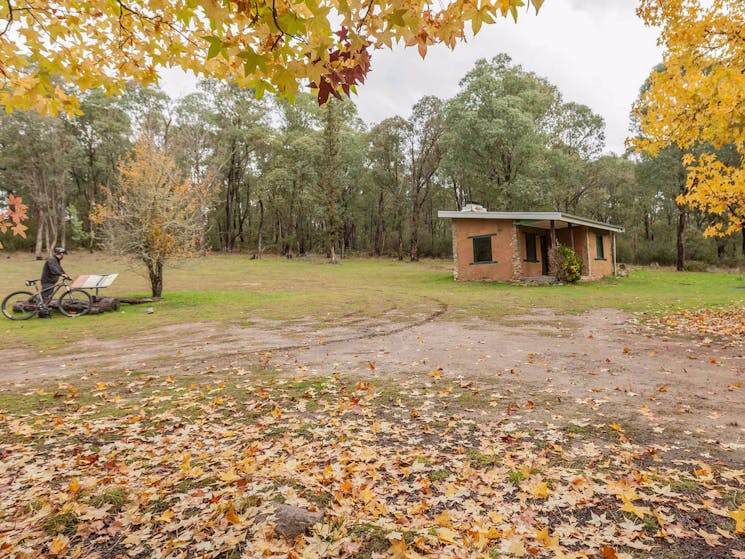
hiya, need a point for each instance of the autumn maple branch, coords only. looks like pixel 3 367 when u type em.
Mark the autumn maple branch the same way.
pixel 10 18
pixel 367 13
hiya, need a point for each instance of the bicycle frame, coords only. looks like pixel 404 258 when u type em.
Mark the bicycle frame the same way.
pixel 54 289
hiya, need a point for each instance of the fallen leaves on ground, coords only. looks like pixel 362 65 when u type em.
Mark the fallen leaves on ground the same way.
pixel 192 469
pixel 727 324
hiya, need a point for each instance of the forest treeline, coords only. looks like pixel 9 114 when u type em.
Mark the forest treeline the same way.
pixel 295 178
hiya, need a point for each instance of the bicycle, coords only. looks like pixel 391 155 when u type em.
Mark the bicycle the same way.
pixel 22 305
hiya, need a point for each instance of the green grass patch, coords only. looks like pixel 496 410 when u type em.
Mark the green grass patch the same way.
pixel 373 538
pixel 116 498
pixel 234 291
pixel 63 523
pixel 481 460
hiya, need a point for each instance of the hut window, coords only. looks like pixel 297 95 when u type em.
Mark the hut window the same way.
pixel 530 251
pixel 482 249
pixel 600 247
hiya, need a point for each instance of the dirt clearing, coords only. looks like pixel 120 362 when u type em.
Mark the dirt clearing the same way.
pixel 599 366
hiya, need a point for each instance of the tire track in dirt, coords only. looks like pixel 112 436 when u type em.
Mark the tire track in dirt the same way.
pixel 187 346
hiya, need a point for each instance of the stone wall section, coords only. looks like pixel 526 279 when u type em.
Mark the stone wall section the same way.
pixel 517 264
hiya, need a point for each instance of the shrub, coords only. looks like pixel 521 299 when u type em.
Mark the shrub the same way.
pixel 568 265
pixel 696 266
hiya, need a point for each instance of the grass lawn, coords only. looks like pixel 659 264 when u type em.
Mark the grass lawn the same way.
pixel 234 289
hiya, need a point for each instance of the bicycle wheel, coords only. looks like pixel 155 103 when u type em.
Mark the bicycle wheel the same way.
pixel 75 302
pixel 20 305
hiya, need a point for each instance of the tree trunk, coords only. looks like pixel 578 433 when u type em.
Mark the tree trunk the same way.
pixel 155 272
pixel 400 246
pixel 720 249
pixel 260 248
pixel 63 230
pixel 414 252
pixel 39 239
pixel 91 230
pixel 230 200
pixel 378 238
pixel 681 240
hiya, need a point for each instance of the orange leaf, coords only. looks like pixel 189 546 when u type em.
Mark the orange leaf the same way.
pixel 398 546
pixel 231 516
pixel 59 545
pixel 443 519
pixel 608 552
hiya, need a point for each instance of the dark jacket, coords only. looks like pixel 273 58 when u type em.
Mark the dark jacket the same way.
pixel 52 271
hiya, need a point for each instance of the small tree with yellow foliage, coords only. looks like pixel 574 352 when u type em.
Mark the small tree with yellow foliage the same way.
pixel 153 214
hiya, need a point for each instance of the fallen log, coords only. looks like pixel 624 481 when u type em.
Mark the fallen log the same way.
pixel 98 304
pixel 138 300
pixel 106 303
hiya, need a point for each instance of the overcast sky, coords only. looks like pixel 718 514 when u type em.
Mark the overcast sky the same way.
pixel 596 51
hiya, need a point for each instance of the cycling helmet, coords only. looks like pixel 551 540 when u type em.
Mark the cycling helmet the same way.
pixel 60 250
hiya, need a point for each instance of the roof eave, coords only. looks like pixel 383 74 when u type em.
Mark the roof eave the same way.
pixel 534 216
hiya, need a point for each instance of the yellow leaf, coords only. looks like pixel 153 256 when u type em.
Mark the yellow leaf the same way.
pixel 59 545
pixel 446 535
pixel 539 490
pixel 739 516
pixel 74 486
pixel 367 495
pixel 229 476
pixel 628 506
pixel 545 539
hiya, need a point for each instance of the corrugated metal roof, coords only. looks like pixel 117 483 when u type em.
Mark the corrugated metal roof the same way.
pixel 535 219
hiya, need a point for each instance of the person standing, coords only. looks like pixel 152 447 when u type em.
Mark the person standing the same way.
pixel 49 275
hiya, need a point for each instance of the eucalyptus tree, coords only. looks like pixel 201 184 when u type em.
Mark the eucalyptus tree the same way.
pixel 667 177
pixel 576 138
pixel 287 188
pixel 151 112
pixel 386 182
pixel 103 133
pixel 424 151
pixel 192 139
pixel 240 133
pixel 35 155
pixel 498 126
